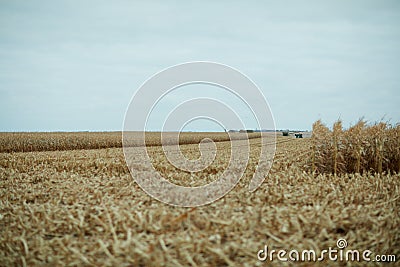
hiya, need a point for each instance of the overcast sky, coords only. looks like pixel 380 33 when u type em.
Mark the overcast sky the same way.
pixel 74 65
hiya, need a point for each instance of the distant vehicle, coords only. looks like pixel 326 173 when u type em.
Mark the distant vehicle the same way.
pixel 298 135
pixel 285 133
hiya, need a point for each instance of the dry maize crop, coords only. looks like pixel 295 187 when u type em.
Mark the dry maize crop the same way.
pixel 69 200
pixel 29 142
pixel 361 148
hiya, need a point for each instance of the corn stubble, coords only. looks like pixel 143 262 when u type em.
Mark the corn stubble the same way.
pixel 81 207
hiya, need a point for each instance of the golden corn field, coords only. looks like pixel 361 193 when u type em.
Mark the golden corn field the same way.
pixel 68 199
pixel 30 142
pixel 361 148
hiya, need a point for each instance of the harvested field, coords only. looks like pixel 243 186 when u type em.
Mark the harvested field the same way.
pixel 81 207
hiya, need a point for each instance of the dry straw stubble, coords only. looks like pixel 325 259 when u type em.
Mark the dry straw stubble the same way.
pixel 81 207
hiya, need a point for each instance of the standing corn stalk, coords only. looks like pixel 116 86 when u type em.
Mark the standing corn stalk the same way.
pixel 354 142
pixel 378 142
pixel 320 146
pixel 337 142
pixel 396 138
